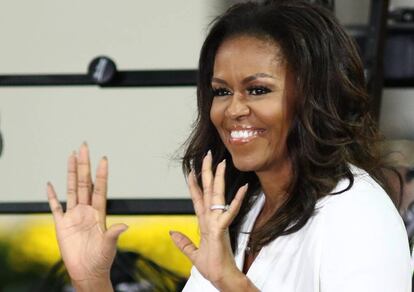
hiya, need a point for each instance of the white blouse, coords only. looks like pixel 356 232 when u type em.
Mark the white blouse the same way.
pixel 355 242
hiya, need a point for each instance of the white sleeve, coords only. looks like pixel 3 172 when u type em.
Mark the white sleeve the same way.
pixel 365 245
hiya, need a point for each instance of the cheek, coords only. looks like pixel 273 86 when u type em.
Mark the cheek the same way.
pixel 272 114
pixel 216 114
pixel 277 121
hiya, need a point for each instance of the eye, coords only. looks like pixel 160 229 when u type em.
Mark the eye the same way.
pixel 221 91
pixel 258 90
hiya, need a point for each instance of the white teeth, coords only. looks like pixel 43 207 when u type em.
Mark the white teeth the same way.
pixel 242 134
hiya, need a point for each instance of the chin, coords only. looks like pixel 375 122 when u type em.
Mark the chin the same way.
pixel 245 165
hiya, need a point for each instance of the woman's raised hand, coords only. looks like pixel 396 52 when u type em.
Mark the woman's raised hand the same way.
pixel 213 258
pixel 87 247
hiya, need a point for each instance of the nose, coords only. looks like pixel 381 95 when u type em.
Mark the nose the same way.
pixel 237 108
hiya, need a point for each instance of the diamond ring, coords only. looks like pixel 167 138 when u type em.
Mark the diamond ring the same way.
pixel 219 207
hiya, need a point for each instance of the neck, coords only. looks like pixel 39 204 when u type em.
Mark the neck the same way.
pixel 274 183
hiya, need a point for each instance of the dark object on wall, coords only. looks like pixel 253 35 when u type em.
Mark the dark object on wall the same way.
pixel 373 56
pixel 130 78
pixel 114 207
pixel 102 70
pixel 402 15
pixel 399 54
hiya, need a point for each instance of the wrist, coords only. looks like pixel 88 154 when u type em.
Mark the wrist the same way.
pixel 92 285
pixel 235 282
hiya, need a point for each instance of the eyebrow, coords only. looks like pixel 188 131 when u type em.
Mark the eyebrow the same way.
pixel 245 80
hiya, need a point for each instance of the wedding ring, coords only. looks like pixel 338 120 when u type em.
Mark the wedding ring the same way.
pixel 219 207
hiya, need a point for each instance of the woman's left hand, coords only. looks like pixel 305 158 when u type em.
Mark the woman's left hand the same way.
pixel 213 258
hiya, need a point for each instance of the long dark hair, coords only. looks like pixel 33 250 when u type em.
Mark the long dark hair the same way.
pixel 331 129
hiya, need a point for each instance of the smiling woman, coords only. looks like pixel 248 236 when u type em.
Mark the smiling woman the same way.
pixel 250 108
pixel 282 166
pixel 282 99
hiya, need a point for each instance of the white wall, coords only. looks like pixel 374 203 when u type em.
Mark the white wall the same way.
pixel 138 129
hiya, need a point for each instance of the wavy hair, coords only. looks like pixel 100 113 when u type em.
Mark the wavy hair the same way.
pixel 332 128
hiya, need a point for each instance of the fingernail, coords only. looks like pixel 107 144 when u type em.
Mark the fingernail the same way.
pixel 172 232
pixel 246 186
pixel 224 162
pixel 209 153
pixel 105 158
pixel 85 144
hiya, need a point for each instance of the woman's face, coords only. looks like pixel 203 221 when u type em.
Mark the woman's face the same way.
pixel 252 103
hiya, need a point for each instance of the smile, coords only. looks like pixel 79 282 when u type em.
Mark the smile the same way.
pixel 241 136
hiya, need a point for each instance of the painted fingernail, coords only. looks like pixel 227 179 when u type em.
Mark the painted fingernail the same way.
pixel 246 186
pixel 209 153
pixel 224 162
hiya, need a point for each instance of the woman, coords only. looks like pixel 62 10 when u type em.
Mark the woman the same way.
pixel 283 120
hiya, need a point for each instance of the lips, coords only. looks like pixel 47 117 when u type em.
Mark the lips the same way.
pixel 243 135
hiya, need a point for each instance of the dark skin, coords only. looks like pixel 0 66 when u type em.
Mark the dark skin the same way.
pixel 262 218
pixel 254 90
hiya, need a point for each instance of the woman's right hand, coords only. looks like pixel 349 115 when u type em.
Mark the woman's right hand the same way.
pixel 87 247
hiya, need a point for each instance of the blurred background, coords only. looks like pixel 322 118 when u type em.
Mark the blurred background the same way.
pixel 141 128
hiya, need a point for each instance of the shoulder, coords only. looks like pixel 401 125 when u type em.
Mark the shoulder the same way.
pixel 366 201
pixel 365 212
pixel 363 237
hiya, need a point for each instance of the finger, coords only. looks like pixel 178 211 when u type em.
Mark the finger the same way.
pixel 196 194
pixel 235 205
pixel 207 178
pixel 84 176
pixel 72 182
pixel 54 204
pixel 184 244
pixel 217 196
pixel 100 190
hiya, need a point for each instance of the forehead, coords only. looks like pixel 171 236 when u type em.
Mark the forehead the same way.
pixel 248 52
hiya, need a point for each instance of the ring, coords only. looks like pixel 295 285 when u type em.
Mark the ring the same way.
pixel 219 207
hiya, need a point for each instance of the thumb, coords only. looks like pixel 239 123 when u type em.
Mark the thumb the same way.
pixel 185 245
pixel 114 232
pixel 111 236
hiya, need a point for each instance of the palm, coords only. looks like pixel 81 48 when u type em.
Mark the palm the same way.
pixel 87 247
pixel 211 255
pixel 82 242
